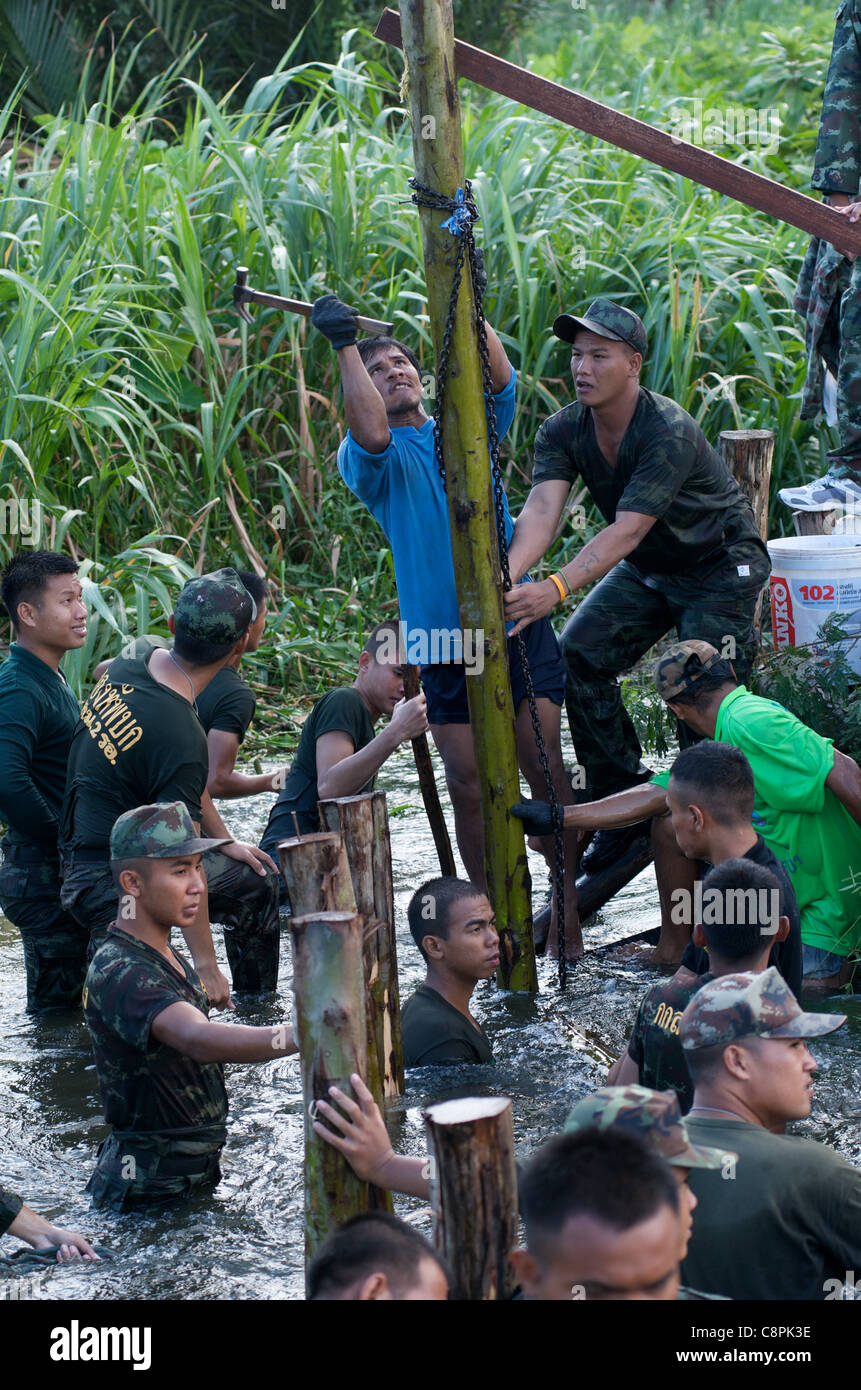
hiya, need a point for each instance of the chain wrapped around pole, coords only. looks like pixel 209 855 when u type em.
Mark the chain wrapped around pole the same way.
pixel 463 213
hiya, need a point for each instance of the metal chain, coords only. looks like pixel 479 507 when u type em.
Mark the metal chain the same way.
pixel 464 214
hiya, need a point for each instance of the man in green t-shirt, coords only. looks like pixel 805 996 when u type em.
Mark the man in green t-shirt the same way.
pixel 38 713
pixel 454 927
pixel 680 549
pixel 787 1223
pixel 807 806
pixel 339 754
pixel 139 740
pixel 738 920
pixel 159 1061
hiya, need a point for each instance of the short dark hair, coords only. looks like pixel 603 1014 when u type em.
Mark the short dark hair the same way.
pixel 611 1175
pixel 369 346
pixel 742 896
pixel 256 586
pixel 26 575
pixel 705 1064
pixel 372 1243
pixel 719 777
pixel 438 894
pixel 139 866
pixel 698 693
pixel 383 637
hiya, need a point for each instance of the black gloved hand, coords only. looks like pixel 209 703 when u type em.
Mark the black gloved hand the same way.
pixel 335 320
pixel 479 276
pixel 537 816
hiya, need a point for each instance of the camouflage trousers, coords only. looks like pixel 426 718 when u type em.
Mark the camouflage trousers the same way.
pixel 243 901
pixel 135 1170
pixel 617 623
pixel 828 295
pixel 55 944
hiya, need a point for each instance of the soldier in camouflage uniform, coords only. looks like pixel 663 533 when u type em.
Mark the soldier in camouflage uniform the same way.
pixel 785 1222
pixel 158 1058
pixel 140 740
pixel 38 714
pixel 680 549
pixel 828 294
pixel 656 1117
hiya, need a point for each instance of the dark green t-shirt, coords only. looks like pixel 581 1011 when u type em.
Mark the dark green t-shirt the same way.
pixel 436 1032
pixel 785 1223
pixel 227 703
pixel 137 742
pixel 38 714
pixel 654 1043
pixel 665 468
pixel 146 1086
pixel 342 709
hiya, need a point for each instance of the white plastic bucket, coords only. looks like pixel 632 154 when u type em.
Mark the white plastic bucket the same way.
pixel 812 577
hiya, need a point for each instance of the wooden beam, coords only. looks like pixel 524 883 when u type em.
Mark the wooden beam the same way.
pixel 637 137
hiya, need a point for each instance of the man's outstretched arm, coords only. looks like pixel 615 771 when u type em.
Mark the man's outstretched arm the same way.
pixel 341 771
pixel 360 1134
pixel 623 808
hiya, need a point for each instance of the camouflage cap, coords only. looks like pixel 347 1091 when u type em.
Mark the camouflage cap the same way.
pixel 748 1005
pixel 215 607
pixel 608 320
pixel 654 1115
pixel 163 831
pixel 681 667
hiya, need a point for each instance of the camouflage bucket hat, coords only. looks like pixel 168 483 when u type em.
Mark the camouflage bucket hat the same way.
pixel 654 1115
pixel 608 320
pixel 163 831
pixel 749 1005
pixel 215 608
pixel 681 667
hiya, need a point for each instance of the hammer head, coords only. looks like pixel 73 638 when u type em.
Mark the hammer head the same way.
pixel 241 294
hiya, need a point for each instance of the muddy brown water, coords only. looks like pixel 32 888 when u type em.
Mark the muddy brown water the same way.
pixel 245 1240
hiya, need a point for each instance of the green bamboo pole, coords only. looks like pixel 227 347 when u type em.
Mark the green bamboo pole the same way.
pixel 428 40
pixel 331 1031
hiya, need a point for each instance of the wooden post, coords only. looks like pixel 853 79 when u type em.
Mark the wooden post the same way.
pixel 427 783
pixel 815 523
pixel 428 35
pixel 330 1028
pixel 363 822
pixel 317 874
pixel 748 455
pixel 474 1193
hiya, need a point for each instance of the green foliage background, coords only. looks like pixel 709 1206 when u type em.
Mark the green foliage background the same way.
pixel 161 435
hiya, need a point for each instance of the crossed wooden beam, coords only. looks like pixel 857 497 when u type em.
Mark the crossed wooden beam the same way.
pixel 637 137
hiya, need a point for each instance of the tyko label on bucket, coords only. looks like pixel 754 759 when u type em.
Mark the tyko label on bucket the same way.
pixel 813 577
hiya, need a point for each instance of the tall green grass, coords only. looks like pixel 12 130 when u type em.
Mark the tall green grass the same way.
pixel 150 421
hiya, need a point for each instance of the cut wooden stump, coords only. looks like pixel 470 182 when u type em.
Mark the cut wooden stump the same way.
pixel 474 1193
pixel 363 822
pixel 317 874
pixel 331 1032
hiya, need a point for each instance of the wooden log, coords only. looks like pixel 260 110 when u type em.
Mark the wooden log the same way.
pixel 428 30
pixel 815 523
pixel 330 1029
pixel 474 1193
pixel 637 137
pixel 427 784
pixel 594 890
pixel 363 822
pixel 317 874
pixel 748 455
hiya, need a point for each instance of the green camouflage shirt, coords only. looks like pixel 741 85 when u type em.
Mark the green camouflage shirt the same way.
pixel 655 1044
pixel 837 168
pixel 146 1086
pixel 665 468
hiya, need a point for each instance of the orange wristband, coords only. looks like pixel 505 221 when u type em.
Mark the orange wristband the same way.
pixel 558 582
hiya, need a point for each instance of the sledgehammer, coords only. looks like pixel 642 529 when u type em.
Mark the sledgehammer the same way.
pixel 243 294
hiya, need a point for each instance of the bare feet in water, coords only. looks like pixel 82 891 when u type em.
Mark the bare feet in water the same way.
pixel 646 957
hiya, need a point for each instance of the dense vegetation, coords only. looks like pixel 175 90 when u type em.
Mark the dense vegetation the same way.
pixel 158 433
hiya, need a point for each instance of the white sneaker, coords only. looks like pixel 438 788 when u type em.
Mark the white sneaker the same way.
pixel 822 495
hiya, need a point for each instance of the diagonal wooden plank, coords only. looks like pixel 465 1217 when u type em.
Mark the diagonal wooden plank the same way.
pixel 637 137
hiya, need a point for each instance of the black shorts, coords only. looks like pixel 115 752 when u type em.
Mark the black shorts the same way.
pixel 444 684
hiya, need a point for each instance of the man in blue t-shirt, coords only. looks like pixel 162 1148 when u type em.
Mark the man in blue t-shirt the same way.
pixel 387 459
